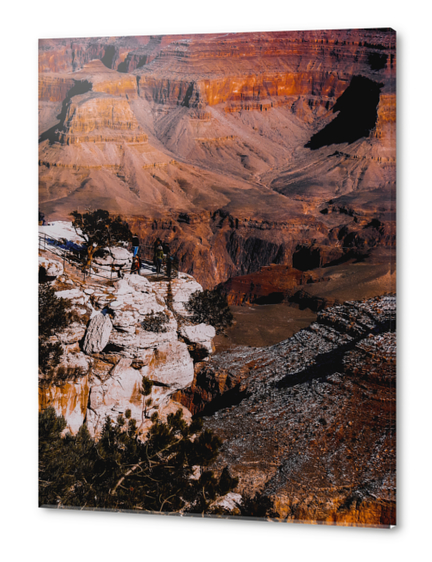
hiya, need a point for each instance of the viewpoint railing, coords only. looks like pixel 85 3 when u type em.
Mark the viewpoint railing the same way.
pixel 75 255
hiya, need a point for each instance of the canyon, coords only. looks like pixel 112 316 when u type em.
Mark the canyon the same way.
pixel 308 422
pixel 237 149
pixel 267 163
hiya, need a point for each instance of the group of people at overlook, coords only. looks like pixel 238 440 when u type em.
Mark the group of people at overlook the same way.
pixel 161 253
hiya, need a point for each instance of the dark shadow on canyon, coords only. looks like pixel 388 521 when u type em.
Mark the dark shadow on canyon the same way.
pixel 81 87
pixel 331 362
pixel 357 108
pixel 109 57
pixel 230 398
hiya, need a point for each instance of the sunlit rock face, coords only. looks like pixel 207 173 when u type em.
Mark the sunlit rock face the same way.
pixel 112 344
pixel 69 55
pixel 97 334
pixel 220 144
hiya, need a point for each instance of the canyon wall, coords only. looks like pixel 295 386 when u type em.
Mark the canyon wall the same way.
pixel 265 161
pixel 211 134
pixel 310 422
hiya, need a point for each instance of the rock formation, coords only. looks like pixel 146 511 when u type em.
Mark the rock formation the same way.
pixel 310 422
pixel 97 334
pixel 271 284
pixel 50 267
pixel 204 140
pixel 267 162
pixel 109 348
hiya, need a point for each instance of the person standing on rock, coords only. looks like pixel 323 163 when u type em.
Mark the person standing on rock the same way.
pixel 155 247
pixel 135 244
pixel 159 258
pixel 136 265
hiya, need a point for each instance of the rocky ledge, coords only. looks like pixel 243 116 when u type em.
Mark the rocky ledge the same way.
pixel 310 422
pixel 122 331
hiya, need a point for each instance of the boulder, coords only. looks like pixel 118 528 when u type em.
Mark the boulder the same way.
pixel 171 365
pixel 118 256
pixel 138 283
pixel 201 335
pixel 97 334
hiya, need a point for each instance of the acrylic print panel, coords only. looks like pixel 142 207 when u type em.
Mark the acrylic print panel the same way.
pixel 217 275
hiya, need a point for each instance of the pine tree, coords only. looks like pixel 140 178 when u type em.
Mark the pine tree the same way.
pixel 211 307
pixel 119 471
pixel 100 230
pixel 54 315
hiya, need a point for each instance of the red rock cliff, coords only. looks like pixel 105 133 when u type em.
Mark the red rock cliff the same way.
pixel 159 128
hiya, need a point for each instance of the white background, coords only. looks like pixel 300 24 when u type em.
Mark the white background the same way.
pixel 42 534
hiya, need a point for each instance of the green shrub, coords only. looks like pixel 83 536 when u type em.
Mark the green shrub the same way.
pixel 155 322
pixel 145 390
pixel 54 316
pixel 210 307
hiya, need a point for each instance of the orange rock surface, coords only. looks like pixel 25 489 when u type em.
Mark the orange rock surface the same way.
pixel 273 283
pixel 205 126
pixel 205 141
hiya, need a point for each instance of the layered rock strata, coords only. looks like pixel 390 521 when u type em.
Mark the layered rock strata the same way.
pixel 271 285
pixel 97 118
pixel 161 128
pixel 68 55
pixel 310 422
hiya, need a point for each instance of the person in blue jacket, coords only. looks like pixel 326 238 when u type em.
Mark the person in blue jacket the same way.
pixel 135 244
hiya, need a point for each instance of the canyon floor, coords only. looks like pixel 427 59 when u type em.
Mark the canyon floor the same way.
pixel 258 325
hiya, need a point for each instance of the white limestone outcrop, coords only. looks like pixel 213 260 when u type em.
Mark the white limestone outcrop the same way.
pixel 201 334
pixel 76 296
pixel 181 290
pixel 122 344
pixel 73 334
